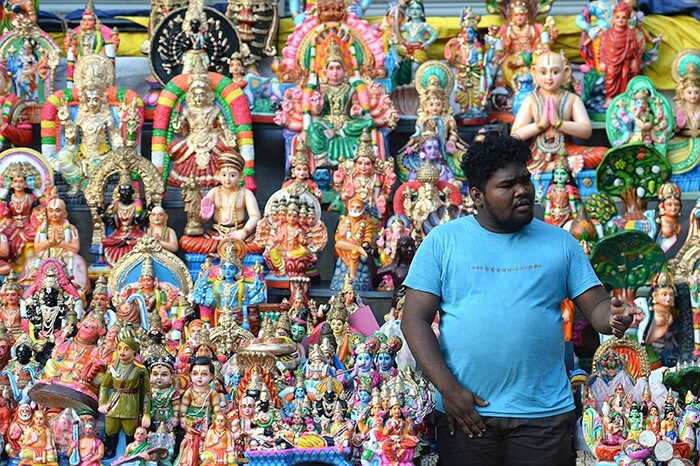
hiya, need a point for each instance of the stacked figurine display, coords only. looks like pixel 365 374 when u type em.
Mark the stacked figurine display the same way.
pixel 177 344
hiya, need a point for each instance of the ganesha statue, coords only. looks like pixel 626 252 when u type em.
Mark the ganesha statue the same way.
pixel 335 99
pixel 80 127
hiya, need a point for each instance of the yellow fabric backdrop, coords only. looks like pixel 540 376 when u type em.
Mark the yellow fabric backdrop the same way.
pixel 679 33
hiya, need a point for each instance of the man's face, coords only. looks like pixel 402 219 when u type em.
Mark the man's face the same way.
pixel 201 376
pixel 157 217
pixel 89 329
pixel 621 20
pixel 229 177
pixel 508 198
pixel 126 354
pixel 229 270
pixel 247 407
pixel 24 412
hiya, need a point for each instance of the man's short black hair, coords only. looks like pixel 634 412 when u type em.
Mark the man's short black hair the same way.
pixel 486 157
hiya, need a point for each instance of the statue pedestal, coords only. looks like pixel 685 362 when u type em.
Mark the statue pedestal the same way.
pixel 363 277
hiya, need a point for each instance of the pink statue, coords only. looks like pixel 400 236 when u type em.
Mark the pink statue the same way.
pixel 90 447
pixel 397 226
pixel 620 53
pixel 396 437
pixel 302 167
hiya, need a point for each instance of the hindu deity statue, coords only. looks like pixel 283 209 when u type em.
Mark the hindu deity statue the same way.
pixel 366 177
pixel 620 53
pixel 430 153
pixel 231 285
pixel 396 435
pixel 417 34
pixel 159 10
pixel 385 359
pixel 125 394
pixel 20 200
pixel 595 19
pixel 37 444
pixel 418 199
pixel 355 233
pixel 434 82
pixel 91 37
pixel 51 302
pixel 165 396
pixel 58 238
pixel 562 199
pixel 551 114
pixel 682 152
pixel 661 302
pixel 232 207
pixel 522 36
pixel 669 212
pixel 339 115
pixel 205 133
pixel 396 227
pixel 301 9
pixel 466 53
pixel 256 24
pixel 126 216
pixel 219 443
pixel 10 294
pixel 92 132
pixel 301 168
pixel 289 244
pixel 76 362
pixel 15 127
pixel 159 229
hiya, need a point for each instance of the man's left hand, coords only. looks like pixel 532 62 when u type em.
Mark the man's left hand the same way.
pixel 621 316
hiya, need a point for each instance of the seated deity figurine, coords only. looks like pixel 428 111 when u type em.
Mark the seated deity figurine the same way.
pixel 683 150
pixel 15 128
pixel 57 237
pixel 466 53
pixel 230 285
pixel 219 442
pixel 522 36
pixel 227 204
pixel 91 37
pixel 396 227
pixel 76 362
pixel 301 9
pixel 20 198
pixel 430 153
pixel 418 199
pixel 52 303
pixel 562 199
pixel 551 114
pixel 126 216
pixel 289 245
pixel 434 82
pixel 417 34
pixel 366 177
pixel 353 237
pixel 301 168
pixel 78 141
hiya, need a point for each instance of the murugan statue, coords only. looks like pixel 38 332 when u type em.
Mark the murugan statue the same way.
pixel 684 149
pixel 466 53
pixel 434 82
pixel 551 115
pixel 91 37
pixel 366 176
pixel 78 142
pixel 232 208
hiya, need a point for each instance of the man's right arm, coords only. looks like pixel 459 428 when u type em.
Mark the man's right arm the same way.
pixel 416 324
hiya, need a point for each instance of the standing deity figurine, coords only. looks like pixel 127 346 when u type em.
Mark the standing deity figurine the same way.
pixel 91 37
pixel 466 53
pixel 669 211
pixel 684 149
pixel 562 199
pixel 417 34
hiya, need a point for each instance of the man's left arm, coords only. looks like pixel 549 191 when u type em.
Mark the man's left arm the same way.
pixel 606 315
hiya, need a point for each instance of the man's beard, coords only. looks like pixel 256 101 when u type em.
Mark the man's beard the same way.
pixel 511 224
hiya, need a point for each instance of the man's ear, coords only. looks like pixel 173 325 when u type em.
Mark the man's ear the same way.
pixel 476 195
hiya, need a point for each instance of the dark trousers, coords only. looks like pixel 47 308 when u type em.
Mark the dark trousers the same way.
pixel 509 442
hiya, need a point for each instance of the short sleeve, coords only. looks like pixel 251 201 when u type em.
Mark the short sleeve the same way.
pixel 580 277
pixel 425 273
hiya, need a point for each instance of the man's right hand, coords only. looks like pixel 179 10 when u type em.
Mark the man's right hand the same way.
pixel 459 407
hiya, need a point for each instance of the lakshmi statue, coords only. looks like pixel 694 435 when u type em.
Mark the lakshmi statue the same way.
pixel 669 211
pixel 562 199
pixel 125 215
pixel 340 115
pixel 467 54
pixel 366 177
pixel 396 436
pixel 354 235
pixel 58 238
pixel 434 82
pixel 418 34
pixel 396 227
pixel 550 114
pixel 522 36
pixel 91 37
pixel 684 149
pixel 228 205
pixel 206 134
pixel 231 285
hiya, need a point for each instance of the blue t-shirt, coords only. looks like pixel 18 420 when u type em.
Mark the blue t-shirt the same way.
pixel 500 310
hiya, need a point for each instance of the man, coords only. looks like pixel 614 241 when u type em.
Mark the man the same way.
pixel 498 278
